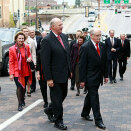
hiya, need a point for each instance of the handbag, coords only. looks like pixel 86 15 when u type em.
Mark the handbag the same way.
pixel 32 66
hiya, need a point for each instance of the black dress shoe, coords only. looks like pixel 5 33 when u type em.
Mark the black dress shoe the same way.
pixel 87 118
pixel 45 105
pixel 72 88
pixel 32 90
pixel 101 125
pixel 111 82
pixel 50 116
pixel 115 81
pixel 23 103
pixel 121 78
pixel 20 108
pixel 60 126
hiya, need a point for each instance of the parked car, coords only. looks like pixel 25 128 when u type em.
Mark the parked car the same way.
pixel 7 40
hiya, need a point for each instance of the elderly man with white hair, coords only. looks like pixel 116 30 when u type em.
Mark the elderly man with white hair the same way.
pixel 56 67
pixel 92 69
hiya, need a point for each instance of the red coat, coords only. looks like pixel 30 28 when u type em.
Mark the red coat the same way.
pixel 13 62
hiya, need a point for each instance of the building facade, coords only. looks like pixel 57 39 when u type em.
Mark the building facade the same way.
pixel 12 13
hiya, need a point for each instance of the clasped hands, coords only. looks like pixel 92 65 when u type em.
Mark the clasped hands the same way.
pixel 113 49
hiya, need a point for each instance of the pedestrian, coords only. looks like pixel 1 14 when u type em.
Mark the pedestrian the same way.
pixel 85 33
pixel 78 32
pixel 40 77
pixel 31 44
pixel 19 56
pixel 37 40
pixel 92 69
pixel 42 81
pixel 56 67
pixel 113 47
pixel 124 54
pixel 44 33
pixel 75 61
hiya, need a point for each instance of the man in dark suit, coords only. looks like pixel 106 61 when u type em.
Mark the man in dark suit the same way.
pixel 37 40
pixel 124 55
pixel 78 32
pixel 113 46
pixel 56 67
pixel 92 69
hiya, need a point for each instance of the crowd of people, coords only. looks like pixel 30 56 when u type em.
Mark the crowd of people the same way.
pixel 86 60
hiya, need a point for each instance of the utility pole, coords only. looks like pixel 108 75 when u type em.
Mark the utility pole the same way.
pixel 98 10
pixel 36 24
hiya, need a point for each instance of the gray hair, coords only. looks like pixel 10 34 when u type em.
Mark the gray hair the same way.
pixel 93 30
pixel 53 21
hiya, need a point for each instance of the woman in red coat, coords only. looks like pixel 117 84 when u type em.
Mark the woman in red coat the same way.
pixel 19 69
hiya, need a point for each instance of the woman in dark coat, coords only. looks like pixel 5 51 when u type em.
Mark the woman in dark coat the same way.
pixel 75 61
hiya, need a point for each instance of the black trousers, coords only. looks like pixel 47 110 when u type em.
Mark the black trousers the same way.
pixel 33 85
pixel 112 68
pixel 92 101
pixel 73 80
pixel 58 94
pixel 43 88
pixel 122 66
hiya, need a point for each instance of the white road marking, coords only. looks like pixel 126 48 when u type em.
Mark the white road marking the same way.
pixel 18 115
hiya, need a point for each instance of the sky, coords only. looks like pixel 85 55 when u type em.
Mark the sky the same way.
pixel 71 2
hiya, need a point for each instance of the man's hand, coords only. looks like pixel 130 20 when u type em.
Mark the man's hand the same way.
pixel 38 75
pixel 82 84
pixel 71 74
pixel 11 77
pixel 113 49
pixel 50 83
pixel 105 80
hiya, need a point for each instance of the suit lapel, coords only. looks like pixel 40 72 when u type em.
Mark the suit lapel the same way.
pixel 57 41
pixel 101 50
pixel 115 41
pixel 110 42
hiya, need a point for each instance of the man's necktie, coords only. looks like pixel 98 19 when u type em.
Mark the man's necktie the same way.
pixel 112 42
pixel 122 43
pixel 97 48
pixel 59 38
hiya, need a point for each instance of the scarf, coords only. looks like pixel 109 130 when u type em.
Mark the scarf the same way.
pixel 21 78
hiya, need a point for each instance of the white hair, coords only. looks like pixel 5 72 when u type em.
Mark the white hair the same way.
pixel 93 30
